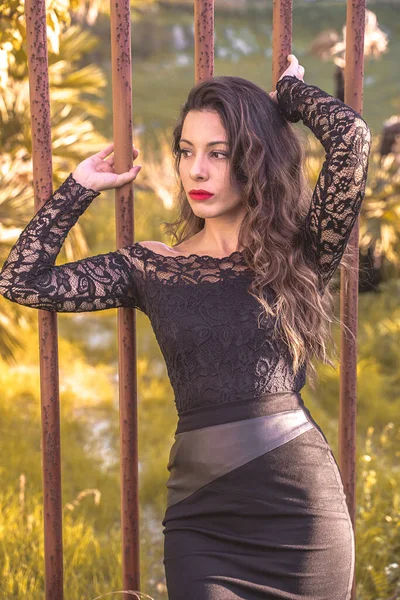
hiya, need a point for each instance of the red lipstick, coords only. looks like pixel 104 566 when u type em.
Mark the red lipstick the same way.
pixel 200 194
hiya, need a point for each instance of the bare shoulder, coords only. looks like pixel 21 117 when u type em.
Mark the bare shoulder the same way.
pixel 183 249
pixel 158 247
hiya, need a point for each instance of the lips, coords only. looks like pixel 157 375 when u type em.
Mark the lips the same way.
pixel 200 195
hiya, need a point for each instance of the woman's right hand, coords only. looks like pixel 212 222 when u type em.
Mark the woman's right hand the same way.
pixel 97 171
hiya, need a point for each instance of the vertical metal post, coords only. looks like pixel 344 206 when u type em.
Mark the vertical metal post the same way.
pixel 48 343
pixel 203 39
pixel 281 37
pixel 122 126
pixel 354 73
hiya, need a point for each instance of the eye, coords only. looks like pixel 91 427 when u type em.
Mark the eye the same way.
pixel 213 153
pixel 220 153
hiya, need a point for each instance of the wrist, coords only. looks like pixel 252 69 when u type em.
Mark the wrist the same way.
pixel 83 182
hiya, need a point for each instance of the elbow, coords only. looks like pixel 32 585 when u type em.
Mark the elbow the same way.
pixel 361 122
pixel 20 294
pixel 8 287
pixel 5 285
pixel 10 294
pixel 362 135
pixel 359 148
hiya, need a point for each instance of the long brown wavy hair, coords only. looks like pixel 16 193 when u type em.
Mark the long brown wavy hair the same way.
pixel 267 160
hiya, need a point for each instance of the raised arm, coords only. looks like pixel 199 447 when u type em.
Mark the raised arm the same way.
pixel 339 191
pixel 29 276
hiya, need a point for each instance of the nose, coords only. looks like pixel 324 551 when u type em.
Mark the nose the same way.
pixel 198 169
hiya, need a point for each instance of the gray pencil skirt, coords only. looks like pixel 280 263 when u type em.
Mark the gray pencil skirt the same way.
pixel 256 508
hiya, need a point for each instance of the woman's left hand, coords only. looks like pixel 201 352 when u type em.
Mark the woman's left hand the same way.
pixel 295 70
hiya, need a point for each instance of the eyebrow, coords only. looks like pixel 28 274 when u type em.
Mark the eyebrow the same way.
pixel 209 144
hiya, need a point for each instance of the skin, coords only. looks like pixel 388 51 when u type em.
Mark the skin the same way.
pixel 201 167
pixel 205 166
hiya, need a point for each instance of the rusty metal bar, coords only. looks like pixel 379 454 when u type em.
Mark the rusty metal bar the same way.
pixel 203 39
pixel 122 128
pixel 281 37
pixel 48 343
pixel 353 96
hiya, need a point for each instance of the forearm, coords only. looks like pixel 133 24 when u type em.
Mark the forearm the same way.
pixel 40 242
pixel 333 122
pixel 339 191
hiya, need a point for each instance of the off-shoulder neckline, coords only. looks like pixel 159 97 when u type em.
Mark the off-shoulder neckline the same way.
pixel 207 256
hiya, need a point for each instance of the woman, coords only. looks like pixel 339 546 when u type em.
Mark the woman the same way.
pixel 256 507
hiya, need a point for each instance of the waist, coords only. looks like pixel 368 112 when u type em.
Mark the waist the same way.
pixel 227 412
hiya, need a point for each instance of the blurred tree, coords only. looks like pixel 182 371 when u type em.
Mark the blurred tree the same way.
pixel 380 221
pixel 380 218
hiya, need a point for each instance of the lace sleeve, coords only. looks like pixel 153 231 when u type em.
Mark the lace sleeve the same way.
pixel 337 197
pixel 29 276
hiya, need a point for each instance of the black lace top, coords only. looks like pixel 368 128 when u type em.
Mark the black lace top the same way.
pixel 204 319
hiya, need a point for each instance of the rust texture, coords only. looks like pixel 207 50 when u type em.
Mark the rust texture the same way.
pixel 122 133
pixel 48 343
pixel 203 39
pixel 281 37
pixel 354 75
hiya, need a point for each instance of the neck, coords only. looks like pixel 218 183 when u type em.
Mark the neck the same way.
pixel 219 236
